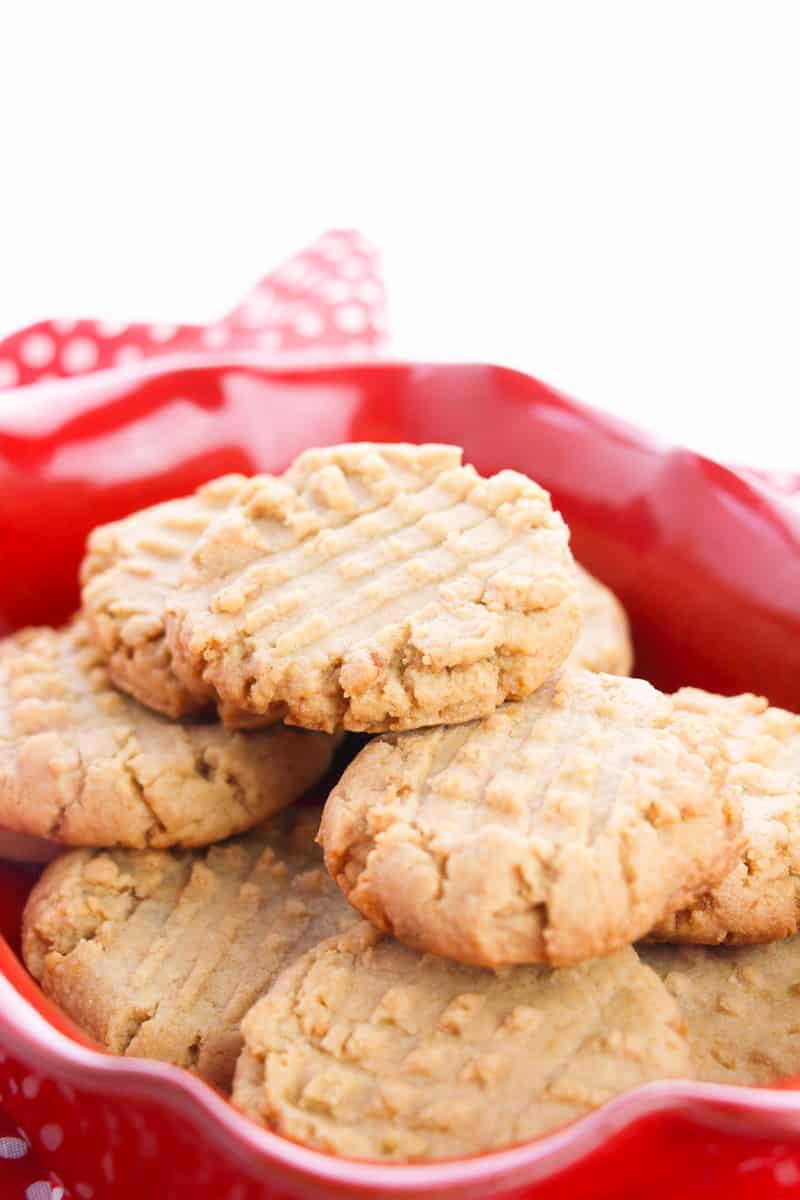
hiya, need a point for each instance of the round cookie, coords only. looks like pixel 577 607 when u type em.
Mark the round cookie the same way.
pixel 82 764
pixel 130 567
pixel 378 587
pixel 605 640
pixel 741 1006
pixel 366 1048
pixel 555 830
pixel 759 900
pixel 160 953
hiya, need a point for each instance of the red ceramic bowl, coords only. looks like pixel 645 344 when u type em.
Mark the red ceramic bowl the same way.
pixel 708 566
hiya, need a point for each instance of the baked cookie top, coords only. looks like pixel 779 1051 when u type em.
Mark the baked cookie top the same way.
pixel 556 829
pixel 741 1005
pixel 159 953
pixel 82 764
pixel 605 640
pixel 129 569
pixel 759 900
pixel 363 1047
pixel 378 587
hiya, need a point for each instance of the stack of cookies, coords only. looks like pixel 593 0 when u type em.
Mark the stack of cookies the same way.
pixel 441 961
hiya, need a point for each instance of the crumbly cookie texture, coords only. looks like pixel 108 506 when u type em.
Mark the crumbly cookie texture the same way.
pixel 160 953
pixel 366 1048
pixel 378 587
pixel 741 1005
pixel 82 764
pixel 129 569
pixel 605 640
pixel 759 900
pixel 557 829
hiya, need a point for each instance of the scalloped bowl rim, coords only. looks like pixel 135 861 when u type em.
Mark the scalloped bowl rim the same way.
pixel 55 1051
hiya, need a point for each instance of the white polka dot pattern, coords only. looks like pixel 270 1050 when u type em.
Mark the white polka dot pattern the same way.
pixel 79 354
pixel 23 1173
pixel 37 350
pixel 9 373
pixel 51 1136
pixel 42 1190
pixel 13 1147
pixel 326 303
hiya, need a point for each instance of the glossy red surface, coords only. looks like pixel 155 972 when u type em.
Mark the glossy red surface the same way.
pixel 707 564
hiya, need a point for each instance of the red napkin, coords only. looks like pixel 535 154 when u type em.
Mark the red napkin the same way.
pixel 325 303
pixel 22 1174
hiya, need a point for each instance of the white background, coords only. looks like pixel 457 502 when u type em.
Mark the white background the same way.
pixel 606 193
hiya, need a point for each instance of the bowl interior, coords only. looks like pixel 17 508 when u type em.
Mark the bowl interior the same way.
pixel 705 562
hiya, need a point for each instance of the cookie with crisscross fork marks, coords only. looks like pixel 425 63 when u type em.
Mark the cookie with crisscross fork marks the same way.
pixel 556 829
pixel 605 640
pixel 83 764
pixel 366 1048
pixel 129 569
pixel 741 1006
pixel 160 953
pixel 759 900
pixel 378 587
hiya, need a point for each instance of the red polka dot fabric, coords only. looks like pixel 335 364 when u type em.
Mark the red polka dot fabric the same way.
pixel 23 1175
pixel 325 303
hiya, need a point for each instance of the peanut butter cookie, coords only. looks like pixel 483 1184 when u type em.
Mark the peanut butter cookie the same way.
pixel 605 640
pixel 759 900
pixel 363 1047
pixel 557 829
pixel 129 569
pixel 160 953
pixel 82 764
pixel 741 1005
pixel 378 587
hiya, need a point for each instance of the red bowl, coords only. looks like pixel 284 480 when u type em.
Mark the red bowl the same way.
pixel 708 567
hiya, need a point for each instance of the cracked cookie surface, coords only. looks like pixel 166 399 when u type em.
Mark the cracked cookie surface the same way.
pixel 554 830
pixel 160 953
pixel 130 567
pixel 741 1005
pixel 605 640
pixel 378 587
pixel 83 764
pixel 759 900
pixel 366 1048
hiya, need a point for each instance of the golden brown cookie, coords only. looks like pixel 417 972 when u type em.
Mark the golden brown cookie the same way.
pixel 130 567
pixel 366 1048
pixel 376 587
pixel 82 764
pixel 605 640
pixel 556 829
pixel 160 953
pixel 741 1006
pixel 759 900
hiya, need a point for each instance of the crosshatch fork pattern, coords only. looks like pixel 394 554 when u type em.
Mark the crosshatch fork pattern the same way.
pixel 83 764
pixel 163 953
pixel 364 1047
pixel 556 829
pixel 378 587
pixel 129 569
